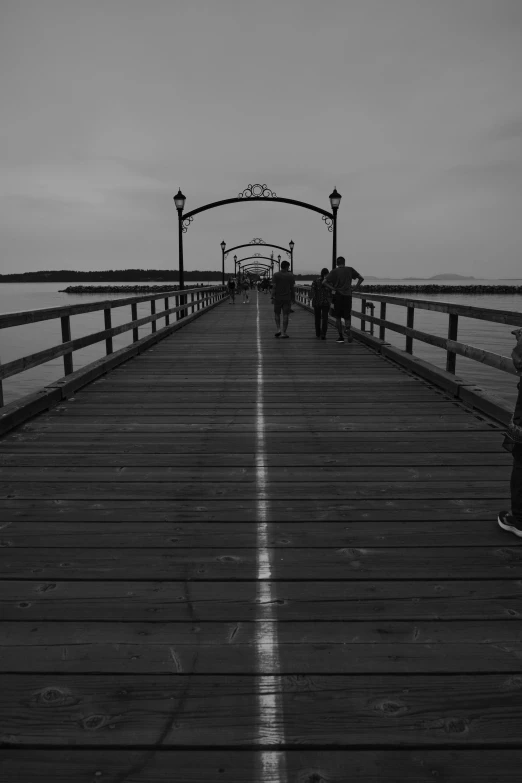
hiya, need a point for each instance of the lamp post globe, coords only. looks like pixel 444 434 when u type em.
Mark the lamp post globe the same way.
pixel 335 199
pixel 179 200
pixel 291 246
pixel 223 246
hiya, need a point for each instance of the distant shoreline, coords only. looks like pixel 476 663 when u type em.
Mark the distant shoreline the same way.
pixel 431 288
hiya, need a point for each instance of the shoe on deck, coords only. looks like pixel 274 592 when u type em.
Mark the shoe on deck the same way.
pixel 323 337
pixel 283 336
pixel 340 339
pixel 277 334
pixel 507 521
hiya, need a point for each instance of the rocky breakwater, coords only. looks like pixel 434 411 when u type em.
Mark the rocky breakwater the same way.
pixel 118 289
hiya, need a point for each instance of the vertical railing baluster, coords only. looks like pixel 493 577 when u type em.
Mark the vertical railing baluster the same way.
pixel 451 356
pixel 363 310
pixel 382 328
pixel 66 336
pixel 409 323
pixel 108 325
pixel 178 313
pixel 192 308
pixel 134 317
pixel 167 318
pixel 153 312
pixel 372 313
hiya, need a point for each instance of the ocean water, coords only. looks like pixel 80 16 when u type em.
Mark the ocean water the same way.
pixel 22 340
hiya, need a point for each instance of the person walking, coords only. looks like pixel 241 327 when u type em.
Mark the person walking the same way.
pixel 340 282
pixel 321 299
pixel 245 287
pixel 283 296
pixel 512 520
pixel 232 290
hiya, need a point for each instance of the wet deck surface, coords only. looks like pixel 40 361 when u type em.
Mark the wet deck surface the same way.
pixel 132 585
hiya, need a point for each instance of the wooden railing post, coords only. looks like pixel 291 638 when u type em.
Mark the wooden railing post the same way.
pixel 192 308
pixel 66 336
pixel 363 310
pixel 451 356
pixel 108 325
pixel 382 328
pixel 153 312
pixel 372 313
pixel 167 318
pixel 409 323
pixel 134 317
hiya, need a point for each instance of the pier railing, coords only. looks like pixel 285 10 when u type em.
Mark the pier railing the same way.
pixel 450 344
pixel 188 304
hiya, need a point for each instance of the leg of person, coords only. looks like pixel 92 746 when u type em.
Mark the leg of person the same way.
pixel 347 307
pixel 512 520
pixel 317 315
pixel 286 311
pixel 324 320
pixel 277 317
pixel 338 311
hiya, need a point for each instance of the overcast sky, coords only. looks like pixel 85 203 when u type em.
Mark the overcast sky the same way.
pixel 412 108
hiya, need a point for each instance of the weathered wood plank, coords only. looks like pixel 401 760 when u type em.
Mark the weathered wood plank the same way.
pixel 304 600
pixel 92 459
pixel 180 490
pixel 297 511
pixel 337 710
pixel 238 564
pixel 241 766
pixel 109 534
pixel 453 473
pixel 231 648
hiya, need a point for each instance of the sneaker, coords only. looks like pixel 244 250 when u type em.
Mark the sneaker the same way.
pixel 340 339
pixel 323 337
pixel 507 521
pixel 318 336
pixel 285 335
pixel 277 334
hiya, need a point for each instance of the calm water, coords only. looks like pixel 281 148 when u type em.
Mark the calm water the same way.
pixel 23 340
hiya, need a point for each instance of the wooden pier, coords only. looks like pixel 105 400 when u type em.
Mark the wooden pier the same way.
pixel 130 589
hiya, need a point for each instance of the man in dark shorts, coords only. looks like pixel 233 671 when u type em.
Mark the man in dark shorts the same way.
pixel 283 296
pixel 340 282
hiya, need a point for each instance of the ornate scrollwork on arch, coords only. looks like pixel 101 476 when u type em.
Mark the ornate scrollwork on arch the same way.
pixel 257 255
pixel 257 241
pixel 186 223
pixel 257 191
pixel 328 222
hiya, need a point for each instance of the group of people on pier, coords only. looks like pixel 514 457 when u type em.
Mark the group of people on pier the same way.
pixel 330 289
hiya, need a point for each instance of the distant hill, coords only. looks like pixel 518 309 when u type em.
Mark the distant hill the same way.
pixel 451 277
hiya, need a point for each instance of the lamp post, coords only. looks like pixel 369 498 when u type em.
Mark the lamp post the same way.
pixel 291 246
pixel 235 262
pixel 335 200
pixel 223 246
pixel 179 201
pixel 279 262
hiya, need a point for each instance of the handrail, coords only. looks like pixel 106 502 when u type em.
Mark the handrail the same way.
pixel 188 300
pixel 450 344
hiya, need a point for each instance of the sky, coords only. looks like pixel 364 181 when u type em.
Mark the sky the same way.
pixel 411 108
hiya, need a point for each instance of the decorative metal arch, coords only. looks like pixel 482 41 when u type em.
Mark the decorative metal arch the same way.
pixel 259 193
pixel 267 244
pixel 256 256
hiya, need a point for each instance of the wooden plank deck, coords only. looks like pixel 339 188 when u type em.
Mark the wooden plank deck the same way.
pixel 204 555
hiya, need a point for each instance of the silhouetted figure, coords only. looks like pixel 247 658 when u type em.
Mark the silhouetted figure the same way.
pixel 283 296
pixel 321 299
pixel 512 520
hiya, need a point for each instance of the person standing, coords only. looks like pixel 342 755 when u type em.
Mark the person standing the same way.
pixel 340 282
pixel 232 290
pixel 245 287
pixel 321 300
pixel 283 296
pixel 512 520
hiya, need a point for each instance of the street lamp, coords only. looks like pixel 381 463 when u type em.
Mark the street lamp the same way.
pixel 279 262
pixel 223 246
pixel 235 261
pixel 335 200
pixel 179 201
pixel 291 246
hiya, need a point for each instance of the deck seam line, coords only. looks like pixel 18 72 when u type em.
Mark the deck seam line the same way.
pixel 269 688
